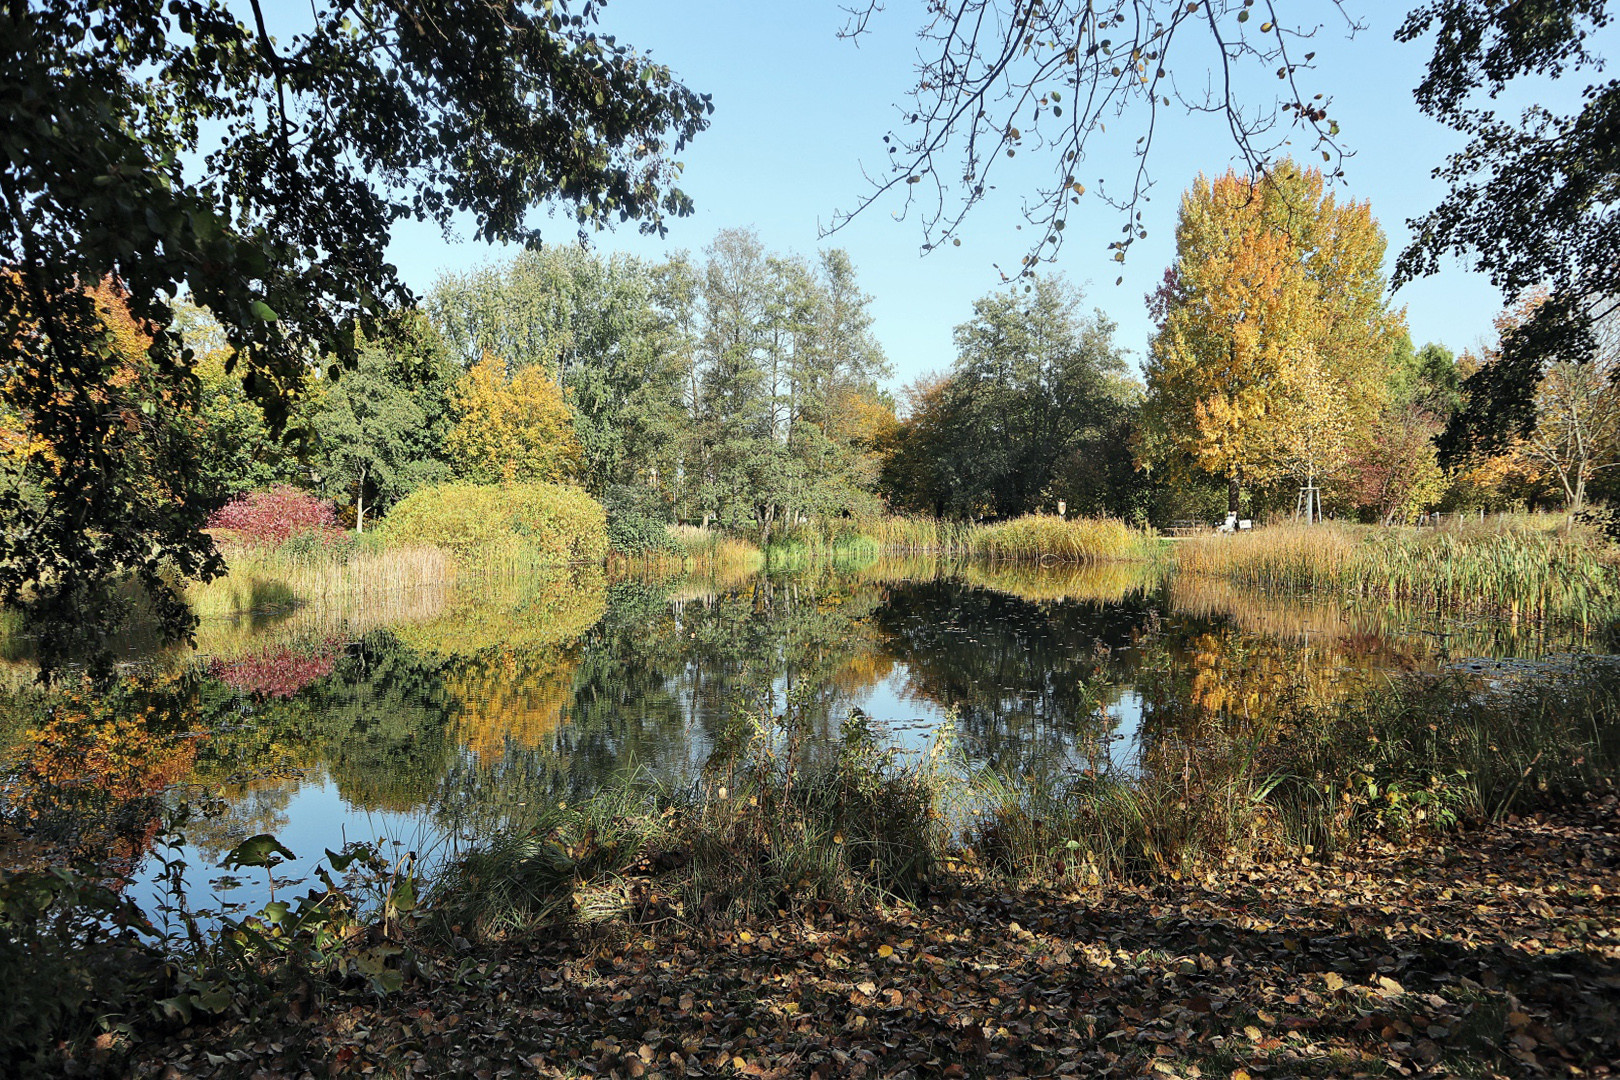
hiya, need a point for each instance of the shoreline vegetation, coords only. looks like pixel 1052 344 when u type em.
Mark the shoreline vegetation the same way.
pixel 1518 567
pixel 904 872
pixel 854 865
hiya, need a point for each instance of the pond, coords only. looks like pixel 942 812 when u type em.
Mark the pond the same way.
pixel 423 717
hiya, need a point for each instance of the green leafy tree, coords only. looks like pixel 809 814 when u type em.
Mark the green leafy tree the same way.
pixel 171 144
pixel 379 429
pixel 592 320
pixel 1035 380
pixel 1533 198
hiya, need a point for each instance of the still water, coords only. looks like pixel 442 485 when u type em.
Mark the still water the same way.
pixel 430 715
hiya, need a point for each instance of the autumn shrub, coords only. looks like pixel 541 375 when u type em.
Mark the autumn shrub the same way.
pixel 554 522
pixel 272 517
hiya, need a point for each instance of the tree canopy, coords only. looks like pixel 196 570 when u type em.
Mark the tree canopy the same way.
pixel 168 145
pixel 1534 201
pixel 1036 379
pixel 1275 334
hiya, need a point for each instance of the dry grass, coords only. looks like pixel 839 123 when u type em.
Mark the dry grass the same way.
pixel 1287 557
pixel 715 550
pixel 1512 569
pixel 260 581
pixel 1030 538
pixel 1045 536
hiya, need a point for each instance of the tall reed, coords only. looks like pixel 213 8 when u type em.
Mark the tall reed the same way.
pixel 1045 536
pixel 715 550
pixel 258 580
pixel 1510 572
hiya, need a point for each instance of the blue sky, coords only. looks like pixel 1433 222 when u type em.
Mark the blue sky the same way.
pixel 797 113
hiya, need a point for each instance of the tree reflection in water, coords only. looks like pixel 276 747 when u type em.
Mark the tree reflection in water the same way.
pixel 515 693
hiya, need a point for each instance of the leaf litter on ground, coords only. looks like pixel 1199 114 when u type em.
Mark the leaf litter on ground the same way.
pixel 1488 953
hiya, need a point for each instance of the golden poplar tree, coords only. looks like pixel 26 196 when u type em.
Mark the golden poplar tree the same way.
pixel 1273 312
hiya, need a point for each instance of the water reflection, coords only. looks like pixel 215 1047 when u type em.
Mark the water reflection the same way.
pixel 446 711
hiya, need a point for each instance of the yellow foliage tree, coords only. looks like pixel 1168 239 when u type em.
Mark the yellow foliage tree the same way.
pixel 512 427
pixel 1310 433
pixel 1269 275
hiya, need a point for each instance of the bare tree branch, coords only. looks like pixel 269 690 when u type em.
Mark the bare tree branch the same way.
pixel 996 77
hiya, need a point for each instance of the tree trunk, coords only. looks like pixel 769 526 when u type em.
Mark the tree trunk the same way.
pixel 360 504
pixel 1232 493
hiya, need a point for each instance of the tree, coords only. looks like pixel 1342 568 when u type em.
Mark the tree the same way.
pixel 780 384
pixel 138 426
pixel 380 429
pixel 167 144
pixel 1033 378
pixel 1310 433
pixel 593 320
pixel 1532 201
pixel 512 426
pixel 1394 470
pixel 1394 473
pixel 1271 275
pixel 1577 423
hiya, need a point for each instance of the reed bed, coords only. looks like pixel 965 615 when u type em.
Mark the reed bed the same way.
pixel 765 831
pixel 1294 558
pixel 1031 538
pixel 1504 569
pixel 1516 574
pixel 715 550
pixel 260 580
pixel 915 535
pixel 1048 537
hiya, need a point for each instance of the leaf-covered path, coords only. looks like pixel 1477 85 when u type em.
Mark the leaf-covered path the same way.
pixel 1496 953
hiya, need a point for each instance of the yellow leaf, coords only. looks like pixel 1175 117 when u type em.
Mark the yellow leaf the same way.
pixel 886 951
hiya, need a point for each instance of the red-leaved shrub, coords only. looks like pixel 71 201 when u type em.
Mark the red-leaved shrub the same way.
pixel 269 517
